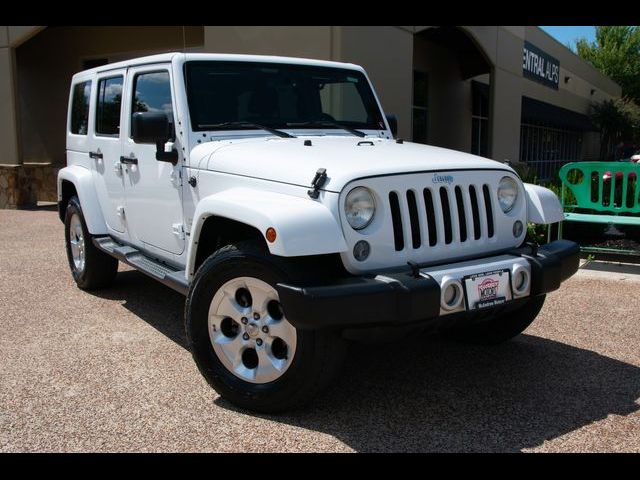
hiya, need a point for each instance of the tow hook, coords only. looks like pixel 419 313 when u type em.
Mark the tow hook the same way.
pixel 415 269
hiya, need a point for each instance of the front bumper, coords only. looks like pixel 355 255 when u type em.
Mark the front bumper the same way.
pixel 403 298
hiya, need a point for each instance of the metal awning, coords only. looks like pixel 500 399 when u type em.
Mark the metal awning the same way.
pixel 536 110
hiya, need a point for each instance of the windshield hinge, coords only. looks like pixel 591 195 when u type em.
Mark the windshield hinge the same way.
pixel 178 230
pixel 317 183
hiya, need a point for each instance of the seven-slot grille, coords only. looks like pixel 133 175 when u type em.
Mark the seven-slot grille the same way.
pixel 441 215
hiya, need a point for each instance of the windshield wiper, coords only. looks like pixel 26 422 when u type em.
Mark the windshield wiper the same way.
pixel 225 125
pixel 327 123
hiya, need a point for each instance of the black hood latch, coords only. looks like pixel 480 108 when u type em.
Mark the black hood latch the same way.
pixel 317 183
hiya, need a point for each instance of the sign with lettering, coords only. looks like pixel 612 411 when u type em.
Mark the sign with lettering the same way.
pixel 540 66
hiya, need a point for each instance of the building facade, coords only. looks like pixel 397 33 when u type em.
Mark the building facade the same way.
pixel 511 93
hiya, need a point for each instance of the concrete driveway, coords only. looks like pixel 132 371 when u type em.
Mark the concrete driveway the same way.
pixel 109 371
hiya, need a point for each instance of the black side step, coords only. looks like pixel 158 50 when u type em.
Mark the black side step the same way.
pixel 153 268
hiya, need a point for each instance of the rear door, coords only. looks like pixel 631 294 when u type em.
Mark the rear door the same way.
pixel 105 147
pixel 153 188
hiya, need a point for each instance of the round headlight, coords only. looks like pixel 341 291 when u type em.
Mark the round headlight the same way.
pixel 359 207
pixel 507 193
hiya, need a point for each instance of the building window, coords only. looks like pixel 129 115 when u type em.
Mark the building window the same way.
pixel 550 136
pixel 80 108
pixel 108 108
pixel 546 147
pixel 420 111
pixel 480 119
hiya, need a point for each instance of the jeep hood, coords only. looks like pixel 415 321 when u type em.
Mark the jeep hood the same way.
pixel 345 158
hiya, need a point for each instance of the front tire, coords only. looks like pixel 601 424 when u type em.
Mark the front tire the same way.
pixel 241 340
pixel 499 328
pixel 91 268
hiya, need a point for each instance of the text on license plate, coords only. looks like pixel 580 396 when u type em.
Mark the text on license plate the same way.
pixel 487 289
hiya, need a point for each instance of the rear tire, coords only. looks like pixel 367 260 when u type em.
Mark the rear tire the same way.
pixel 499 328
pixel 91 268
pixel 264 381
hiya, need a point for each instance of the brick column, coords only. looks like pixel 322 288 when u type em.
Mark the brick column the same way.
pixel 9 154
pixel 14 191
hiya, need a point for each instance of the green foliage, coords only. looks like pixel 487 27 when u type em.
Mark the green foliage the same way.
pixel 617 120
pixel 528 175
pixel 559 189
pixel 616 53
pixel 537 233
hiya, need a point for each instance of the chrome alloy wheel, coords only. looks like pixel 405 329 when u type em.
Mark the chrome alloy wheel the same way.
pixel 76 238
pixel 249 332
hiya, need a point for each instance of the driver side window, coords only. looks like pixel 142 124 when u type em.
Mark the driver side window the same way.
pixel 152 93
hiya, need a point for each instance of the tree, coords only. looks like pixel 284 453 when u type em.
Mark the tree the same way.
pixel 617 120
pixel 616 53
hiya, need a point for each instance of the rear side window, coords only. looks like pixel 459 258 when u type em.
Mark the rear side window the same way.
pixel 108 107
pixel 80 108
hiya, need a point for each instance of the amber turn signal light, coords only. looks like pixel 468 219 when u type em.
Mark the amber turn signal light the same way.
pixel 271 234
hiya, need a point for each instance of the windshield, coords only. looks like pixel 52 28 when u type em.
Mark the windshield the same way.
pixel 279 96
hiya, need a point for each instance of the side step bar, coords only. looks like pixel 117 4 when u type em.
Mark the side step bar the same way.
pixel 153 268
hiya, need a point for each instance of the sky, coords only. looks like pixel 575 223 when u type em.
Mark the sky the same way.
pixel 568 35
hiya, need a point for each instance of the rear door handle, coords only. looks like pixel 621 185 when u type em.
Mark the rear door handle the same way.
pixel 95 155
pixel 129 160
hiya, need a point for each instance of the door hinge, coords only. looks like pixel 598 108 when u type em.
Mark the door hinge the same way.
pixel 176 178
pixel 178 230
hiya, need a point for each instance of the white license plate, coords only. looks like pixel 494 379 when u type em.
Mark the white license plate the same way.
pixel 487 289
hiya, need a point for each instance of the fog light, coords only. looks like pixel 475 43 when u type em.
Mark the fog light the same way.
pixel 361 250
pixel 451 296
pixel 520 280
pixel 517 228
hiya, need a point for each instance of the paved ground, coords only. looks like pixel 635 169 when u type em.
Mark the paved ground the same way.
pixel 109 372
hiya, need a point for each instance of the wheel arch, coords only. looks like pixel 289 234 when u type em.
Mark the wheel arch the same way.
pixel 67 190
pixel 77 180
pixel 217 231
pixel 303 227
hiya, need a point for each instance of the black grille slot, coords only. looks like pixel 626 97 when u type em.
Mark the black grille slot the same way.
pixel 617 189
pixel 631 190
pixel 462 218
pixel 475 212
pixel 396 218
pixel 595 186
pixel 446 214
pixel 488 208
pixel 413 217
pixel 431 217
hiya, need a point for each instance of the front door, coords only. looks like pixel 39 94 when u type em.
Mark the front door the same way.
pixel 105 147
pixel 153 189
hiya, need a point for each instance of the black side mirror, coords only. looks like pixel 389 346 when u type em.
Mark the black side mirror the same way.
pixel 150 127
pixel 392 120
pixel 154 127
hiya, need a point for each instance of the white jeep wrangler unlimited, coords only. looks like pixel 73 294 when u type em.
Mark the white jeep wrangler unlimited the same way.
pixel 271 192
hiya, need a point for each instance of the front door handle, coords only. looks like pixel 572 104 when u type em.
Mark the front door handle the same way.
pixel 129 160
pixel 95 155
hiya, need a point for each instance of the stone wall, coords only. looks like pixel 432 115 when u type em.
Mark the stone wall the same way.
pixel 23 186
